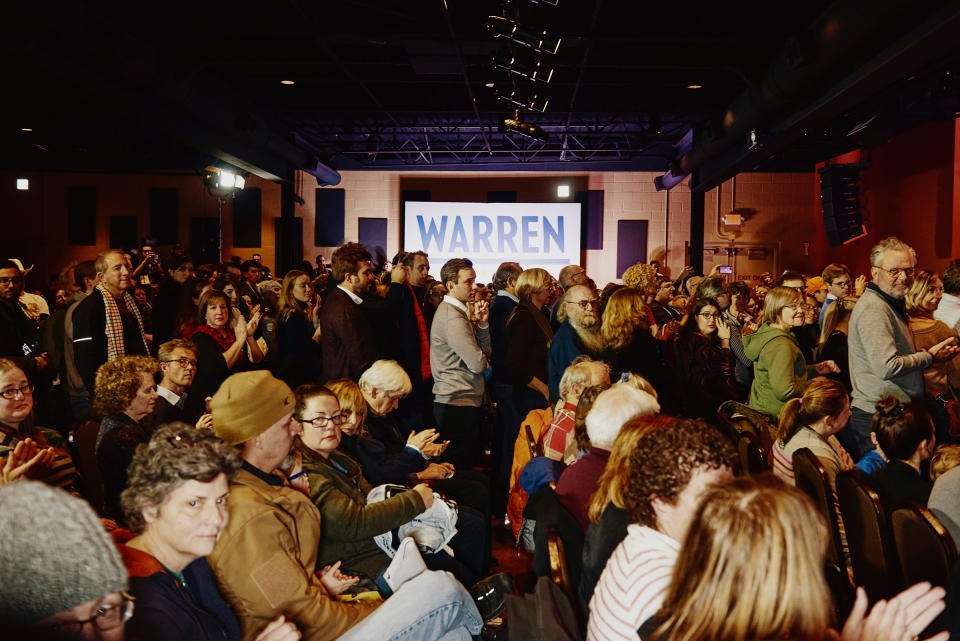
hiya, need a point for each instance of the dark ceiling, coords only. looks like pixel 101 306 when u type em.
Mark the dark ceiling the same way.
pixel 405 85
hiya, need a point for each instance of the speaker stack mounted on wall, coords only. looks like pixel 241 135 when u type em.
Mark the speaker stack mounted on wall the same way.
pixel 840 199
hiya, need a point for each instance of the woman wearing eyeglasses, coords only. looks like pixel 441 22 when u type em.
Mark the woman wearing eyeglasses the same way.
pixel 53 466
pixel 704 360
pixel 176 505
pixel 780 371
pixel 339 490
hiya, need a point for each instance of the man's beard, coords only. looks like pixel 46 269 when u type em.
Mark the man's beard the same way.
pixel 589 335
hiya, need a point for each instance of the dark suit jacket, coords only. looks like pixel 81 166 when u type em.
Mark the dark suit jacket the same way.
pixel 527 348
pixel 90 338
pixel 500 310
pixel 347 341
pixel 19 338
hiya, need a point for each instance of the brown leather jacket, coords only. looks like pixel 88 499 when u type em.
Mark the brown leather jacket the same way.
pixel 265 558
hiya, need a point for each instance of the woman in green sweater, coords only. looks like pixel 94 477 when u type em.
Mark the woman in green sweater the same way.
pixel 780 371
pixel 339 491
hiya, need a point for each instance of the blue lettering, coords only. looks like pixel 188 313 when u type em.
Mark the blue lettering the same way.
pixel 432 233
pixel 529 234
pixel 503 222
pixel 482 236
pixel 458 239
pixel 549 232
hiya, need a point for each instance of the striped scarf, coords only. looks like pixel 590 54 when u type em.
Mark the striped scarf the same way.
pixel 114 329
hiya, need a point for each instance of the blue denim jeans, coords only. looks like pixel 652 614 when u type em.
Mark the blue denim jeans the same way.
pixel 432 605
pixel 855 437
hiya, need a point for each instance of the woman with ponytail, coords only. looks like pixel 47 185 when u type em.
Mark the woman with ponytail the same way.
pixel 812 421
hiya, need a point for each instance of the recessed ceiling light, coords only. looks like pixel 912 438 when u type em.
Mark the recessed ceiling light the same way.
pixel 563 191
pixel 26 129
pixel 490 84
pixel 694 86
pixel 23 184
pixel 286 82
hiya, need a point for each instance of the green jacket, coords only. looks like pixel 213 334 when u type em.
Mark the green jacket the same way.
pixel 779 370
pixel 339 491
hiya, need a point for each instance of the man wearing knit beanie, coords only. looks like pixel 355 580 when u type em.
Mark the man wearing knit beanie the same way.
pixel 58 566
pixel 266 556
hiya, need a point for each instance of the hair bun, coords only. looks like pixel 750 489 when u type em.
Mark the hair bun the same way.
pixel 890 406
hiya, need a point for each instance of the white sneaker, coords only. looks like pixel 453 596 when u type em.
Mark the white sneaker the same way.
pixel 407 563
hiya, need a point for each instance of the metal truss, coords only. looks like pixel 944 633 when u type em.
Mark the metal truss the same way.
pixel 457 139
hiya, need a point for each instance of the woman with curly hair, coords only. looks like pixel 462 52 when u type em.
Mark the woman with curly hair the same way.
pixel 176 506
pixel 297 359
pixel 607 510
pixel 125 395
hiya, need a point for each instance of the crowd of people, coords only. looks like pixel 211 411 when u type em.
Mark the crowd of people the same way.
pixel 206 452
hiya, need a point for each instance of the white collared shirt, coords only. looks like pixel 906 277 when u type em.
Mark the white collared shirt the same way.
pixel 512 297
pixel 172 398
pixel 356 299
pixel 447 298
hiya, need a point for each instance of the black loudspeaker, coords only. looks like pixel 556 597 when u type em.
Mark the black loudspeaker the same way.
pixel 840 199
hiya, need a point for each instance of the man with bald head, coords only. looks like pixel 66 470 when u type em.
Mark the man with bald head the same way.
pixel 107 323
pixel 579 332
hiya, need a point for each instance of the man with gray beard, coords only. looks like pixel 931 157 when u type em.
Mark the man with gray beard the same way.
pixel 578 334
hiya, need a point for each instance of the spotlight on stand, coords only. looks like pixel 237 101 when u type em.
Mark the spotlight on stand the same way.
pixel 222 182
pixel 528 99
pixel 538 40
pixel 530 69
pixel 515 126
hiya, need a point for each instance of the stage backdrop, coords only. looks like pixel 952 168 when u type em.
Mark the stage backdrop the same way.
pixel 533 234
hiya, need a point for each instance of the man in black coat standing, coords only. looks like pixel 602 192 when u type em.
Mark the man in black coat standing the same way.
pixel 505 282
pixel 346 340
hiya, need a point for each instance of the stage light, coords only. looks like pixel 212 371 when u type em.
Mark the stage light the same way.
pixel 27 129
pixel 287 82
pixel 23 184
pixel 528 99
pixel 540 40
pixel 694 86
pixel 753 139
pixel 530 69
pixel 563 191
pixel 222 182
pixel 515 126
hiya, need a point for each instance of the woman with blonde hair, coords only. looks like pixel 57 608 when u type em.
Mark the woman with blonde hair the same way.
pixel 628 342
pixel 812 422
pixel 528 335
pixel 297 360
pixel 780 371
pixel 942 378
pixel 725 587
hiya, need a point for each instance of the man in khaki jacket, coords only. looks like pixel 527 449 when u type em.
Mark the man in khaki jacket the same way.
pixel 265 558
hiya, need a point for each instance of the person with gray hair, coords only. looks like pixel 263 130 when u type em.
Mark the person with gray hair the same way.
pixel 883 358
pixel 578 333
pixel 178 362
pixel 584 372
pixel 612 409
pixel 62 576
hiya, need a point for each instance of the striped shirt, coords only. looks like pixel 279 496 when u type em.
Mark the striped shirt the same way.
pixel 633 584
pixel 62 473
pixel 832 456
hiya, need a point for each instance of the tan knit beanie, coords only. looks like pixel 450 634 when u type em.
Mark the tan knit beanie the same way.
pixel 247 404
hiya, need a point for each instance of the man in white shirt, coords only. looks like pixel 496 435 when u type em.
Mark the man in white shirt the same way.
pixel 178 362
pixel 670 468
pixel 949 310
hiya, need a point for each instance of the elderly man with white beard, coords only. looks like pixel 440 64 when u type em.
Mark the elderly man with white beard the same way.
pixel 578 333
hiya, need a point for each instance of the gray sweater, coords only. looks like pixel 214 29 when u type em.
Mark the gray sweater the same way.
pixel 459 355
pixel 883 358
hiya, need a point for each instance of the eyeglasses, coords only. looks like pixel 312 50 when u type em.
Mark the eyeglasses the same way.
pixel 841 283
pixel 106 617
pixel 322 421
pixel 182 362
pixel 17 392
pixel 896 272
pixel 6 280
pixel 709 316
pixel 584 304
